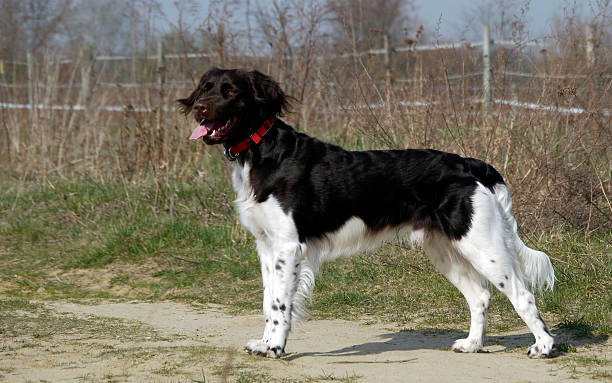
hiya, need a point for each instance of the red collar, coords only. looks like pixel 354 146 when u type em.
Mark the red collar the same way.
pixel 232 152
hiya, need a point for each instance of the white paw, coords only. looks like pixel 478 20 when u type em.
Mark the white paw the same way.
pixel 467 345
pixel 261 348
pixel 540 351
pixel 256 347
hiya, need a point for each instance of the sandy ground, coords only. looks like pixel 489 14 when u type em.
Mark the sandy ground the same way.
pixel 182 343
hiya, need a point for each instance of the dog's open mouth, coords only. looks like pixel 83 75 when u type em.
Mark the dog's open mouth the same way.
pixel 213 131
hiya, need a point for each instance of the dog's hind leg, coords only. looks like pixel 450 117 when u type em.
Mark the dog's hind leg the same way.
pixel 471 284
pixel 490 247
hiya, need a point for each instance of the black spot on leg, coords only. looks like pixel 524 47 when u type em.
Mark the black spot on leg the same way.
pixel 492 260
pixel 267 320
pixel 283 307
pixel 281 261
pixel 505 276
pixel 277 300
pixel 501 284
pixel 275 323
pixel 546 330
pixel 297 265
pixel 530 302
pixel 275 307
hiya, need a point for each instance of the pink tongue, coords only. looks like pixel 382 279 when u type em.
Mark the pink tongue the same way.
pixel 198 132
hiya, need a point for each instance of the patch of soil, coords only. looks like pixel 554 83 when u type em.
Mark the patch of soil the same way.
pixel 116 278
pixel 189 343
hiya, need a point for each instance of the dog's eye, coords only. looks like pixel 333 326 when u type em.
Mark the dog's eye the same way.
pixel 230 93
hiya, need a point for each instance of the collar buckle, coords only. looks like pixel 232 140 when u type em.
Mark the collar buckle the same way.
pixel 229 155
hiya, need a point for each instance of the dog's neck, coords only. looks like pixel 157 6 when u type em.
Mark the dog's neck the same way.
pixel 233 152
pixel 256 169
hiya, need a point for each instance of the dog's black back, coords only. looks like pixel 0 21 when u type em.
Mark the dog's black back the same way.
pixel 324 185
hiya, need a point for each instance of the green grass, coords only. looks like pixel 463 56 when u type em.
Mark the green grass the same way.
pixel 186 238
pixel 580 365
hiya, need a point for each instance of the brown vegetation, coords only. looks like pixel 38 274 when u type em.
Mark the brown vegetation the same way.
pixel 558 164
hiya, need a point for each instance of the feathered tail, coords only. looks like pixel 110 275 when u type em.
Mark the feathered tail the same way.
pixel 534 265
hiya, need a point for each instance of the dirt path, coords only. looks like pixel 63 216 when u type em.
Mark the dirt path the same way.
pixel 172 342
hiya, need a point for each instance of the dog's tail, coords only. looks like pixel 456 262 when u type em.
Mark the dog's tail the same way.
pixel 534 265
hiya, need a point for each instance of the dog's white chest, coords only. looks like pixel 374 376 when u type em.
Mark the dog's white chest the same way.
pixel 264 220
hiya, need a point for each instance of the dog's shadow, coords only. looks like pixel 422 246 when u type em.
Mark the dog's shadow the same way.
pixel 435 339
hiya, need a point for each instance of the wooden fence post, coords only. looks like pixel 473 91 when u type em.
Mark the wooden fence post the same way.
pixel 388 78
pixel 590 47
pixel 87 64
pixel 486 70
pixel 387 47
pixel 161 66
pixel 30 62
pixel 161 80
pixel 333 97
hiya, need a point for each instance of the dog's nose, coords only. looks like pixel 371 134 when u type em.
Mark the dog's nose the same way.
pixel 200 107
pixel 200 110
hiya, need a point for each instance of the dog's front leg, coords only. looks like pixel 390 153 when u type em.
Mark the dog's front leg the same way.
pixel 278 262
pixel 266 259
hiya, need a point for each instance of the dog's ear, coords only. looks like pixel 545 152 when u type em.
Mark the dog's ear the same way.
pixel 269 96
pixel 186 104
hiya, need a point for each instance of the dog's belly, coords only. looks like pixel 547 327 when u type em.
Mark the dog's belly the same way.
pixel 354 236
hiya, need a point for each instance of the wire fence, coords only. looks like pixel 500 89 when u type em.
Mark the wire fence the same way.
pixel 479 80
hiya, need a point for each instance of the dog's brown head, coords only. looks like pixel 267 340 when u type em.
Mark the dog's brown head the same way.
pixel 231 104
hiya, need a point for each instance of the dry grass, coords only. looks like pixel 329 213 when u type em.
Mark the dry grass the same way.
pixel 557 165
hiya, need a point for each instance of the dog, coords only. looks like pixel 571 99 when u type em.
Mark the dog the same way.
pixel 307 202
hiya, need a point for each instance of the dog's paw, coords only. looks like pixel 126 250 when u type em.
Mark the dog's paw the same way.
pixel 256 347
pixel 261 348
pixel 275 352
pixel 467 345
pixel 540 351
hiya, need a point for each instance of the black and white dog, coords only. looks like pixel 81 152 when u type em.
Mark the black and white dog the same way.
pixel 307 202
